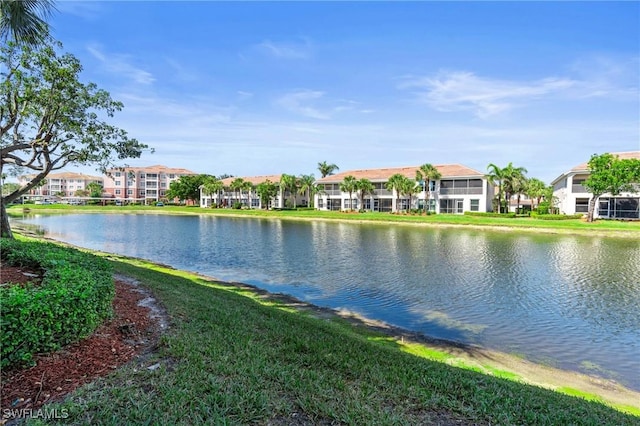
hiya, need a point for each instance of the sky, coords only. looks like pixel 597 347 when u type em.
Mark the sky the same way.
pixel 260 88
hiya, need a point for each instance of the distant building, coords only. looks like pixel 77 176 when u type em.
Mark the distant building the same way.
pixel 574 198
pixel 58 185
pixel 142 183
pixel 459 189
pixel 249 198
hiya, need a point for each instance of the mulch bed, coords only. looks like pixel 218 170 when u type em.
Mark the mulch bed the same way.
pixel 130 332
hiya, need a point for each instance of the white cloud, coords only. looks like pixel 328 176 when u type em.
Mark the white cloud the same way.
pixel 301 102
pixel 464 91
pixel 286 50
pixel 88 10
pixel 120 64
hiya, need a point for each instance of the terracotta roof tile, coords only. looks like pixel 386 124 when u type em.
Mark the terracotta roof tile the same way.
pixel 255 180
pixel 622 155
pixel 377 175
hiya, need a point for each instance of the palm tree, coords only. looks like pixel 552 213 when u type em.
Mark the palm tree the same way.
pixel 535 190
pixel 364 187
pixel 395 183
pixel 496 177
pixel 24 21
pixel 289 183
pixel 308 187
pixel 212 185
pixel 266 191
pixel 247 187
pixel 349 184
pixel 427 173
pixel 236 187
pixel 512 181
pixel 327 169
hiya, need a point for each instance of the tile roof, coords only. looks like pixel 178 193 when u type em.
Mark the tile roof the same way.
pixel 65 175
pixel 255 180
pixel 376 175
pixel 621 155
pixel 157 168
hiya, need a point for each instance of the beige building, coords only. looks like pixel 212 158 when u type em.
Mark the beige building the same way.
pixel 142 183
pixel 458 190
pixel 572 197
pixel 59 185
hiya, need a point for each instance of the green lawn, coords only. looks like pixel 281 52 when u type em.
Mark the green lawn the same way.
pixel 627 229
pixel 232 356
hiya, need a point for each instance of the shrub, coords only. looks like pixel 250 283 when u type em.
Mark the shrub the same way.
pixel 509 215
pixel 73 299
pixel 557 216
pixel 236 205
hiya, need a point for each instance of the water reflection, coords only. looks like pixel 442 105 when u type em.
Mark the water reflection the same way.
pixel 567 301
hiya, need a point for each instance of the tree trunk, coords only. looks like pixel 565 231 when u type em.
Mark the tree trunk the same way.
pixel 5 229
pixel 592 207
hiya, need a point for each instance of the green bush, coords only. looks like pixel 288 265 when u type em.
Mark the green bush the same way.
pixel 556 216
pixel 509 215
pixel 73 299
pixel 237 205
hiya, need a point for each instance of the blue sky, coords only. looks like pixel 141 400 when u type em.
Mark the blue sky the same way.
pixel 262 88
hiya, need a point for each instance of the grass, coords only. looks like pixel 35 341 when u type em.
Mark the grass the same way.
pixel 628 229
pixel 231 356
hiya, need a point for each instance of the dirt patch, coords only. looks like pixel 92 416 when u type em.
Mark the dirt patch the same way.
pixel 134 330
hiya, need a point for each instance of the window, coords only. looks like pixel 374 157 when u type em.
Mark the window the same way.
pixel 129 191
pixel 118 174
pixel 582 205
pixel 172 176
pixel 475 205
pixel 366 205
pixel 320 203
pixel 117 183
pixel 451 206
pixel 117 192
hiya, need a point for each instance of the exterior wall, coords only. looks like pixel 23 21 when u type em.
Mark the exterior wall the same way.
pixel 249 199
pixel 142 183
pixel 455 195
pixel 60 184
pixel 573 197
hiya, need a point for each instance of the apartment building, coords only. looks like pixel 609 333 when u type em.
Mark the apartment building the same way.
pixel 459 189
pixel 142 183
pixel 572 197
pixel 249 197
pixel 59 185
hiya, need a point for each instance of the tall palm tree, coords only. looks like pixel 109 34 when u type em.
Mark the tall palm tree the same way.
pixel 24 21
pixel 535 190
pixel 349 185
pixel 364 187
pixel 427 172
pixel 246 187
pixel 289 183
pixel 327 169
pixel 512 181
pixel 395 183
pixel 236 187
pixel 496 177
pixel 308 187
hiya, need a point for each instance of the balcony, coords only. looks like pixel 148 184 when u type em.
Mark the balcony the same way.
pixel 577 188
pixel 460 191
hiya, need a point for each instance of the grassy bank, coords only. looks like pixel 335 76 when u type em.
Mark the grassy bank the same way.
pixel 234 356
pixel 614 228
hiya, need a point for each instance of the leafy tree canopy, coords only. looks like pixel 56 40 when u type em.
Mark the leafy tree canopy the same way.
pixel 50 119
pixel 187 187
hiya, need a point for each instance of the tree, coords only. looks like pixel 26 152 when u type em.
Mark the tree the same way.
pixel 212 185
pixel 364 187
pixel 246 187
pixel 49 119
pixel 609 174
pixel 535 190
pixel 496 177
pixel 307 187
pixel 266 190
pixel 187 187
pixel 395 182
pixel 349 185
pixel 289 183
pixel 9 187
pixel 24 21
pixel 427 173
pixel 236 186
pixel 513 181
pixel 327 169
pixel 82 193
pixel 95 189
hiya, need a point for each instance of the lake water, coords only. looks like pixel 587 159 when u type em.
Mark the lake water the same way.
pixel 567 301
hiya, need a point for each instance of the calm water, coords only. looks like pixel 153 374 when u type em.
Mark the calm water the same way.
pixel 570 302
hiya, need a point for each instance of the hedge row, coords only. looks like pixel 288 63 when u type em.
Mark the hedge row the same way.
pixel 73 299
pixel 509 215
pixel 557 216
